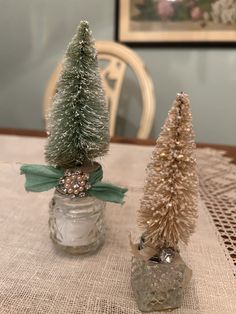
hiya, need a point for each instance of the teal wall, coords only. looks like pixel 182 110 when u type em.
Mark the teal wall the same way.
pixel 34 34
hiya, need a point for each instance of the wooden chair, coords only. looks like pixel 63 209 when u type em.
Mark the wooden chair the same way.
pixel 118 58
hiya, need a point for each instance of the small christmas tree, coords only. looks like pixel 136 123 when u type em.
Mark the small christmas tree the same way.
pixel 169 206
pixel 78 133
pixel 78 121
pixel 78 129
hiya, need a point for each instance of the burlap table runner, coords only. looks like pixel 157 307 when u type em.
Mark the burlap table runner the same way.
pixel 36 278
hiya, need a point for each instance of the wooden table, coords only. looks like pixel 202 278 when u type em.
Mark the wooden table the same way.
pixel 230 150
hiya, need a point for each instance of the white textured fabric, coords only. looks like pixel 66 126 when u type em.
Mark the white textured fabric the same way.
pixel 36 278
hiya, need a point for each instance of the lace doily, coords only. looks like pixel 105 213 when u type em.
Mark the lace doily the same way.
pixel 217 178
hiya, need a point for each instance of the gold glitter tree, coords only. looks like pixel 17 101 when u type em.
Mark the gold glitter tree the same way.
pixel 169 206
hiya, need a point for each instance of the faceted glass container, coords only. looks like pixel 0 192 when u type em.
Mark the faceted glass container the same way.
pixel 159 286
pixel 76 225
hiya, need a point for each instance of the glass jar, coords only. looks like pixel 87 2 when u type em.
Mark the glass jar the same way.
pixel 158 284
pixel 76 225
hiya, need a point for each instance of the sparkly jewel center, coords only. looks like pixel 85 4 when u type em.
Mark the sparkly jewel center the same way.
pixel 74 183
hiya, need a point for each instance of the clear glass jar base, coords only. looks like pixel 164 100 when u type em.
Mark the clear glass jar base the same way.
pixel 159 286
pixel 76 225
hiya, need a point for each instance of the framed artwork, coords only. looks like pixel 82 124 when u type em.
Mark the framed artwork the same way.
pixel 176 21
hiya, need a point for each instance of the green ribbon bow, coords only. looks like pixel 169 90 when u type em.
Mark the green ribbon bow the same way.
pixel 41 178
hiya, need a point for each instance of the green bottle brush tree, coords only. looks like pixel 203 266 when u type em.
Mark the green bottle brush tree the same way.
pixel 78 127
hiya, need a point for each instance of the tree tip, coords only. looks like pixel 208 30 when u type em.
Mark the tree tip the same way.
pixel 84 23
pixel 83 30
pixel 182 97
pixel 83 26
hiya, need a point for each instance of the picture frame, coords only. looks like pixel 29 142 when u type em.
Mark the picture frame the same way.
pixel 176 22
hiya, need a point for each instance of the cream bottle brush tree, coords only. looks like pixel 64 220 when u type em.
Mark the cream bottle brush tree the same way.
pixel 168 208
pixel 167 214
